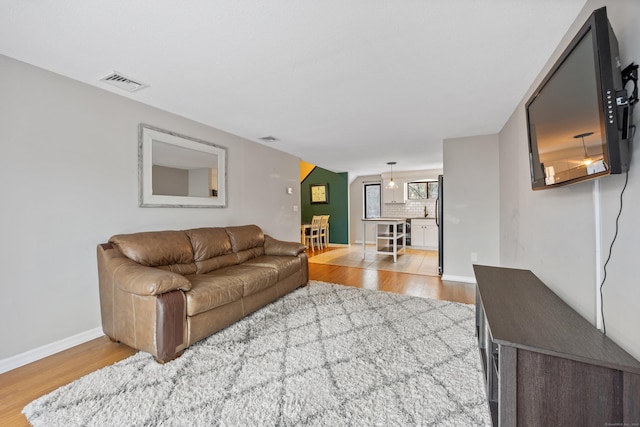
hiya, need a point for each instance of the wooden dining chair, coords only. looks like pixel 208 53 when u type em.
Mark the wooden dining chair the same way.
pixel 324 231
pixel 314 233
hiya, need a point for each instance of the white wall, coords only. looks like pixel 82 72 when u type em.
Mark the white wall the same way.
pixel 553 232
pixel 69 180
pixel 471 215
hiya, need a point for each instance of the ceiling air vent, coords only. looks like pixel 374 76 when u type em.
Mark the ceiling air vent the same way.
pixel 122 82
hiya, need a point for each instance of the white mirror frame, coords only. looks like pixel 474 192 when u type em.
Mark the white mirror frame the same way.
pixel 146 136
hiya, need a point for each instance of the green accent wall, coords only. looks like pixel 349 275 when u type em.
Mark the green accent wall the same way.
pixel 338 206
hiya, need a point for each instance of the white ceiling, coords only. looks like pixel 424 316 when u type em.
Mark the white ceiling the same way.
pixel 345 84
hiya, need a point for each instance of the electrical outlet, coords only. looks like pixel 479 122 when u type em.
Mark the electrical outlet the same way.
pixel 474 256
pixel 295 208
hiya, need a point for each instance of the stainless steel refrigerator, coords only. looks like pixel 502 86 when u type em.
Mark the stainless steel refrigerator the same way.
pixel 439 218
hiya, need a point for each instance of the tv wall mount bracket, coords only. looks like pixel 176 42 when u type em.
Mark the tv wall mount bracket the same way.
pixel 630 74
pixel 624 101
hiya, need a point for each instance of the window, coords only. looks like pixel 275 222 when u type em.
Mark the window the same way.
pixel 417 190
pixel 372 200
pixel 432 190
pixel 422 190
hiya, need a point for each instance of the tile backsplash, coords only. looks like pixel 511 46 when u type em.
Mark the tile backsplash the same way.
pixel 410 209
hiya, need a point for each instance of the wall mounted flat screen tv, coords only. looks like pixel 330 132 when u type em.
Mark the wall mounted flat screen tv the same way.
pixel 577 131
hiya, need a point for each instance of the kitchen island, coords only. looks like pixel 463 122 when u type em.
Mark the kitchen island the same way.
pixel 390 236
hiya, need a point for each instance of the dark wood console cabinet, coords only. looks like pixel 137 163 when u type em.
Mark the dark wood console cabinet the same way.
pixel 545 364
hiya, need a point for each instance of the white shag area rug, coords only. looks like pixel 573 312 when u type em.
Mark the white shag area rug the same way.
pixel 324 355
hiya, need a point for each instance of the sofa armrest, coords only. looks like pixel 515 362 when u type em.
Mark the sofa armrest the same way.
pixel 138 279
pixel 278 247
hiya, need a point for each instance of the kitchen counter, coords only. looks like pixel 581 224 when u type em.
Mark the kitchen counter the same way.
pixel 390 235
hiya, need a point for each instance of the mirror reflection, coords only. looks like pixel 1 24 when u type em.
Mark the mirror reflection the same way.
pixel 178 171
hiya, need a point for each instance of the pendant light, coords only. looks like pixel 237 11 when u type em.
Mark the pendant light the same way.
pixel 391 184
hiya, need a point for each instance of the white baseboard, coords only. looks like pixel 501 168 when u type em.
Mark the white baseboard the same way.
pixel 27 357
pixel 463 279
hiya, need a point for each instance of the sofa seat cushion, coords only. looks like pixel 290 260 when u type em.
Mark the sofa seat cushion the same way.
pixel 209 291
pixel 284 265
pixel 254 278
pixel 226 285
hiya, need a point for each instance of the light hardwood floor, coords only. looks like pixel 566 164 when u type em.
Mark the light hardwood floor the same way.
pixel 22 385
pixel 422 262
pixel 419 285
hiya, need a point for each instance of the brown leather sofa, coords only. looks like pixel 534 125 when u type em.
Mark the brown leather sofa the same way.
pixel 162 291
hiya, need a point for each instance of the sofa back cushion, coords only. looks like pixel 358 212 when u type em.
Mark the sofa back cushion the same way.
pixel 247 241
pixel 211 249
pixel 169 250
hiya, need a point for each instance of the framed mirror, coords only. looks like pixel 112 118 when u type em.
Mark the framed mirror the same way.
pixel 178 171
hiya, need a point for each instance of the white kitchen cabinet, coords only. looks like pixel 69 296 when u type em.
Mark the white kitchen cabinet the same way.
pixel 394 195
pixel 431 235
pixel 424 233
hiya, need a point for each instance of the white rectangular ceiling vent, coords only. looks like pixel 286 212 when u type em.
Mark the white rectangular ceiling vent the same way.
pixel 122 82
